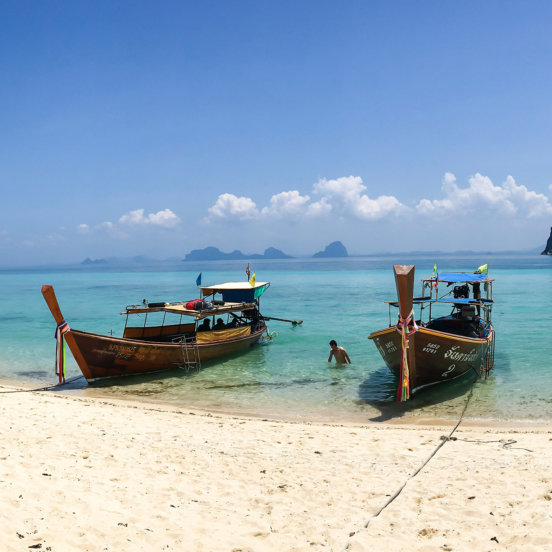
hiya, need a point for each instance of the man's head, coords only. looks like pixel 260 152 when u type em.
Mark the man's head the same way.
pixel 333 344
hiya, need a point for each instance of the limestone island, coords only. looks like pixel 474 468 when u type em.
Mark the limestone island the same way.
pixel 548 248
pixel 215 254
pixel 335 249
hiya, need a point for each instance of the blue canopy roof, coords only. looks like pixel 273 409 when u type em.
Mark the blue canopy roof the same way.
pixel 465 300
pixel 460 277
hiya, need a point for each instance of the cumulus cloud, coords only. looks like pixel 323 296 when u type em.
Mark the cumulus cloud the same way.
pixel 343 196
pixel 229 206
pixel 507 199
pixel 164 218
pixel 286 203
pixel 346 196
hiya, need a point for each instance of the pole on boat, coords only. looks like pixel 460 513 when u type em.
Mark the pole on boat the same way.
pixel 404 282
pixel 294 322
pixel 51 300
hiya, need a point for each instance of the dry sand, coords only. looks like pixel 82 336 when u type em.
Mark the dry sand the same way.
pixel 90 474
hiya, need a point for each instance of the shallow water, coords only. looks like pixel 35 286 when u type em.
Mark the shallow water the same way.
pixel 289 377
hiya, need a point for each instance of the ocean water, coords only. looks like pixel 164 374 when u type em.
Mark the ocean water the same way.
pixel 289 377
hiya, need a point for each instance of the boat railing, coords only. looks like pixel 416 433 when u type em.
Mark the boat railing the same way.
pixel 484 307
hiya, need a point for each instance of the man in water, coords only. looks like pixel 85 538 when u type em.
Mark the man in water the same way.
pixel 339 353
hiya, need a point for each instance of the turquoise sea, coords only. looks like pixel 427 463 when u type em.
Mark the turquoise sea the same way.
pixel 289 377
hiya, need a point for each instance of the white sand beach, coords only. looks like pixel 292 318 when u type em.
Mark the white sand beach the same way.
pixel 90 474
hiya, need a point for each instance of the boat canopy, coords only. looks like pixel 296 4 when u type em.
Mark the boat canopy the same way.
pixel 463 300
pixel 459 278
pixel 237 292
pixel 455 300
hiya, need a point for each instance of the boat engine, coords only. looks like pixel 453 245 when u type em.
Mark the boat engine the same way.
pixel 461 291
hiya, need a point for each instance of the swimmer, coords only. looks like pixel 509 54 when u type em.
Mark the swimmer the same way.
pixel 339 353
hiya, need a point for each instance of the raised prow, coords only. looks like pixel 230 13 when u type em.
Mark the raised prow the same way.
pixel 51 300
pixel 404 280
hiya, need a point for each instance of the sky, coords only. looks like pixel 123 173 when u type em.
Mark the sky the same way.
pixel 155 128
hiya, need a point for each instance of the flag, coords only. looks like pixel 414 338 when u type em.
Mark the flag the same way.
pixel 198 280
pixel 434 275
pixel 483 269
pixel 247 271
pixel 252 280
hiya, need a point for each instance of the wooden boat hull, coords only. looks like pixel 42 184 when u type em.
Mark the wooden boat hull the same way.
pixel 101 356
pixel 434 356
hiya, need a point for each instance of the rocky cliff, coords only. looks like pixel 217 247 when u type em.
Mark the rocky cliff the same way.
pixel 548 248
pixel 335 249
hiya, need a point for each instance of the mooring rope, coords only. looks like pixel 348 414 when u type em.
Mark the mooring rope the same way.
pixel 398 491
pixel 47 388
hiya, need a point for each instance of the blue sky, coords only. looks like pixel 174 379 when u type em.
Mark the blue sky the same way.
pixel 146 128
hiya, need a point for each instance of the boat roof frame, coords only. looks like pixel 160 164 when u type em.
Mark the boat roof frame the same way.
pixel 459 278
pixel 180 309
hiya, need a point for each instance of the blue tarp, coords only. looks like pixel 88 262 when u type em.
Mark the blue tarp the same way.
pixel 466 300
pixel 460 277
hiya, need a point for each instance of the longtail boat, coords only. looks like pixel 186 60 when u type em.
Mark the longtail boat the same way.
pixel 234 323
pixel 440 348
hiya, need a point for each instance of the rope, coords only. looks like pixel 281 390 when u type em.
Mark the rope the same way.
pixel 47 388
pixel 398 492
pixel 506 443
pixel 406 327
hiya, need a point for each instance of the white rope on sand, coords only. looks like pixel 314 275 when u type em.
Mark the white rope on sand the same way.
pixel 398 492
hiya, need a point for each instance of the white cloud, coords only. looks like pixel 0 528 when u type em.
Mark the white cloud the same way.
pixel 319 208
pixel 136 218
pixel 229 206
pixel 286 203
pixel 343 196
pixel 481 194
pixel 346 196
pixel 165 218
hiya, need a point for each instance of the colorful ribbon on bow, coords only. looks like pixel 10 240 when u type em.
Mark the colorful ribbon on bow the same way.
pixel 406 326
pixel 61 330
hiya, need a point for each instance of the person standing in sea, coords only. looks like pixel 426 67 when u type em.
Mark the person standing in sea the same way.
pixel 339 353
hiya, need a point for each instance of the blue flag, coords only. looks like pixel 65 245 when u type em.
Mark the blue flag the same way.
pixel 198 280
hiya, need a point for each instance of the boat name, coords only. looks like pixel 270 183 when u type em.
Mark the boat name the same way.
pixel 431 348
pixel 454 354
pixel 123 349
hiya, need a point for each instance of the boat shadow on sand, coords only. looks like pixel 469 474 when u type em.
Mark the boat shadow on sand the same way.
pixel 379 390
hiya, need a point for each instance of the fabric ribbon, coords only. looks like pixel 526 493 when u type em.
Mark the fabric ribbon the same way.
pixel 406 326
pixel 61 330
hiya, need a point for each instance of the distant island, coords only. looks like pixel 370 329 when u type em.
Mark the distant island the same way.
pixel 548 247
pixel 335 249
pixel 215 254
pixel 89 261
